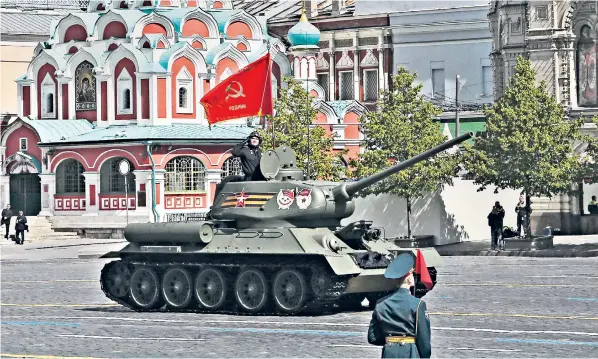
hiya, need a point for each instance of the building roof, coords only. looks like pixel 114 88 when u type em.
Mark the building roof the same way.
pixel 176 132
pixel 285 10
pixel 31 23
pixel 56 130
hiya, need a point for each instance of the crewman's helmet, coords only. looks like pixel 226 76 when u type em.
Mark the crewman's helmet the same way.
pixel 256 135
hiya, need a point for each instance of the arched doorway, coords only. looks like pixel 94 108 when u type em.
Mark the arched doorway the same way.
pixel 25 184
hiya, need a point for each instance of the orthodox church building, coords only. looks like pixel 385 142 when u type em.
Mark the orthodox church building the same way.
pixel 122 82
pixel 559 38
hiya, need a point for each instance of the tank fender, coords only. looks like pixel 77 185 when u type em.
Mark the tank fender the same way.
pixel 431 256
pixel 343 265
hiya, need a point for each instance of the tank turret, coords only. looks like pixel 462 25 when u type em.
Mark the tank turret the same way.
pixel 285 199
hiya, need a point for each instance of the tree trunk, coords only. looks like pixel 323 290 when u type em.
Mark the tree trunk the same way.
pixel 528 212
pixel 409 218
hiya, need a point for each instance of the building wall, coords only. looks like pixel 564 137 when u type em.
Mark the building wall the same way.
pixel 422 39
pixel 14 60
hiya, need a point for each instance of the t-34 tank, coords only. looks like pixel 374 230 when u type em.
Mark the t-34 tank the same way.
pixel 269 247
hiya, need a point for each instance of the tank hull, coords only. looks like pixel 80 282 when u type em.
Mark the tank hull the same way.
pixel 187 277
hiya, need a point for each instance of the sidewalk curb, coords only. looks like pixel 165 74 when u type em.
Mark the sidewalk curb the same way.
pixel 550 253
pixel 76 245
pixel 90 255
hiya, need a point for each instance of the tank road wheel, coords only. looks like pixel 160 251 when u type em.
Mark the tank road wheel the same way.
pixel 210 288
pixel 117 279
pixel 145 288
pixel 177 287
pixel 251 290
pixel 320 281
pixel 289 290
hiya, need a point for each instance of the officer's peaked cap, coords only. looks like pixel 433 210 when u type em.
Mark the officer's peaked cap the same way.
pixel 400 266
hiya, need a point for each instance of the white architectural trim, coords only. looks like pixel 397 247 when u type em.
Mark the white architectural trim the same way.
pixel 145 39
pixel 103 21
pixel 326 109
pixel 116 56
pixel 226 4
pixel 65 23
pixel 40 60
pixel 184 82
pixel 48 88
pixel 54 163
pixel 254 25
pixel 192 54
pixel 76 60
pixel 356 107
pixel 153 18
pixel 369 60
pixel 199 39
pixel 225 74
pixel 98 166
pixel 207 19
pixel 124 88
pixel 243 40
pixel 234 54
pixel 187 152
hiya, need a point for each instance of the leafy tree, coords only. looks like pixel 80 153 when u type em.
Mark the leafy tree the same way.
pixel 404 127
pixel 529 142
pixel 294 111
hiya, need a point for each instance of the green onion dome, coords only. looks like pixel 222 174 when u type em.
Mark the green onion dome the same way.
pixel 304 33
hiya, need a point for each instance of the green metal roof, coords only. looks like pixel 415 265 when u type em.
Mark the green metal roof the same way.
pixel 464 126
pixel 176 132
pixel 55 130
pixel 340 106
pixel 211 55
pixel 166 54
pixel 222 16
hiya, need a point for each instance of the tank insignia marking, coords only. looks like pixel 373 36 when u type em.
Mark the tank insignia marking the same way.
pixel 251 200
pixel 241 197
pixel 285 198
pixel 303 198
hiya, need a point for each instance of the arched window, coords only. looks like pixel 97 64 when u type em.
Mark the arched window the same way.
pixel 184 174
pixel 182 97
pixel 586 68
pixel 232 167
pixel 111 181
pixel 69 177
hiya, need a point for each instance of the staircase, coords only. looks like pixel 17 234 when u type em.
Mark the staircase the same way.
pixel 40 229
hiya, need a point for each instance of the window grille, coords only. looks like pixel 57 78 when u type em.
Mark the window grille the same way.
pixel 346 85
pixel 232 166
pixel 69 177
pixel 182 97
pixel 324 83
pixel 111 181
pixel 185 174
pixel 371 85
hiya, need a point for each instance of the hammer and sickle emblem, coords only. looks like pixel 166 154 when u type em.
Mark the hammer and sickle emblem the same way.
pixel 234 93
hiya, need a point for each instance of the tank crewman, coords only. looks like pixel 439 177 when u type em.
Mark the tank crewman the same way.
pixel 250 156
pixel 400 321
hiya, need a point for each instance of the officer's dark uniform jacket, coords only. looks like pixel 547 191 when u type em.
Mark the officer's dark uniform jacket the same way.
pixel 396 316
pixel 250 160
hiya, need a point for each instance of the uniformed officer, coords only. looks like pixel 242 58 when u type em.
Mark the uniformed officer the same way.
pixel 400 321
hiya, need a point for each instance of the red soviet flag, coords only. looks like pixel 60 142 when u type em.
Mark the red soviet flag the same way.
pixel 422 269
pixel 243 94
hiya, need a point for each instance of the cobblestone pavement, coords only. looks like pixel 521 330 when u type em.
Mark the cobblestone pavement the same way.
pixel 481 307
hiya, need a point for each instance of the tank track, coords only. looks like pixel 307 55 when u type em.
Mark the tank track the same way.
pixel 314 304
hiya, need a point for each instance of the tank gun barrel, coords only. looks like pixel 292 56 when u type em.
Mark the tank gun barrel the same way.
pixel 346 191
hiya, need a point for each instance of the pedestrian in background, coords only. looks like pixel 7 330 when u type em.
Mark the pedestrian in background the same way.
pixel 6 217
pixel 521 214
pixel 20 228
pixel 593 206
pixel 400 321
pixel 495 221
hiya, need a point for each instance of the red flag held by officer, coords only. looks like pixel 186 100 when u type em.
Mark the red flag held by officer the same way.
pixel 422 270
pixel 243 94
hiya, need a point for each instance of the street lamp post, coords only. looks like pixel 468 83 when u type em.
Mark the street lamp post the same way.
pixel 124 168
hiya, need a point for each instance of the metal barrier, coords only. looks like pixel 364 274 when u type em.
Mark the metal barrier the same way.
pixel 185 217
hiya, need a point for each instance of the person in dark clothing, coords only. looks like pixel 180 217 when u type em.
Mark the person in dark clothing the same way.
pixel 521 213
pixel 20 228
pixel 6 217
pixel 495 221
pixel 250 157
pixel 593 206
